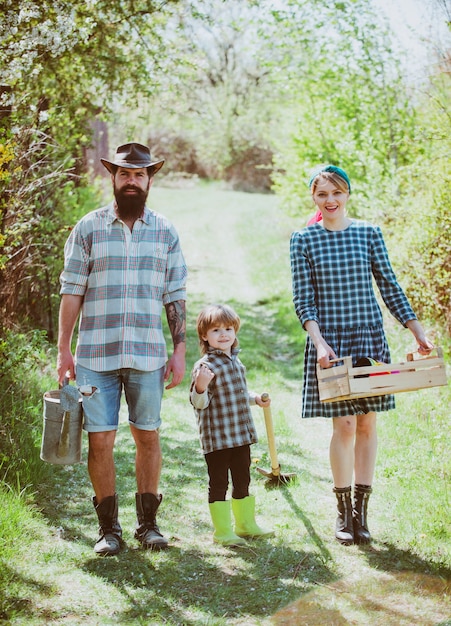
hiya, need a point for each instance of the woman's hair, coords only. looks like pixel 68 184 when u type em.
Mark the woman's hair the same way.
pixel 216 315
pixel 334 174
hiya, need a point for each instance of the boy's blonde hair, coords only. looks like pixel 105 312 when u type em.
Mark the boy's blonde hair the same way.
pixel 216 315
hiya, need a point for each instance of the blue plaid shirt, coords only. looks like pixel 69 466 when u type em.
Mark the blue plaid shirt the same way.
pixel 223 411
pixel 332 277
pixel 125 278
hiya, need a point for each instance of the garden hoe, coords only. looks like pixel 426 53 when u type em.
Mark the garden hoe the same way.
pixel 275 476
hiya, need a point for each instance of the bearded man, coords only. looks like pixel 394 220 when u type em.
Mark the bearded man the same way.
pixel 123 263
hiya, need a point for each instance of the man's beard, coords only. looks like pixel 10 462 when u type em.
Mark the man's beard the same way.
pixel 130 206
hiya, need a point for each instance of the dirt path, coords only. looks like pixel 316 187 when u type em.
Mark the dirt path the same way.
pixel 213 232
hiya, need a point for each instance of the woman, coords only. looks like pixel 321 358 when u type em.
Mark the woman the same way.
pixel 333 262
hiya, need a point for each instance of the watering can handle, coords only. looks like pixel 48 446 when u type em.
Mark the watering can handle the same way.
pixel 63 444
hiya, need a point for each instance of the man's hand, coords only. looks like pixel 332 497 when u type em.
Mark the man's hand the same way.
pixel 176 367
pixel 65 366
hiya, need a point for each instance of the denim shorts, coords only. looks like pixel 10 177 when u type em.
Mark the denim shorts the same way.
pixel 102 393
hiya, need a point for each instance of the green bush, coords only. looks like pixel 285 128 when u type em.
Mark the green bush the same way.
pixel 23 361
pixel 428 263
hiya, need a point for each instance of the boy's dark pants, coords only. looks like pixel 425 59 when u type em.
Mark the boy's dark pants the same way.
pixel 238 461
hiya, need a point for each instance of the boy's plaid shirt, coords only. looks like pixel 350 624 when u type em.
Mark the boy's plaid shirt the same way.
pixel 223 411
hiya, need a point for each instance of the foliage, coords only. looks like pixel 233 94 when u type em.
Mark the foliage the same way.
pixel 349 103
pixel 15 513
pixel 215 94
pixel 429 264
pixel 218 88
pixel 61 62
pixel 41 209
pixel 426 253
pixel 23 358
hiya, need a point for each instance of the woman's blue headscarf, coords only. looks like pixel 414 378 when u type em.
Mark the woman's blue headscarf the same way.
pixel 335 170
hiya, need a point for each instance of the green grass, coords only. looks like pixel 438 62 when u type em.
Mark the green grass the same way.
pixel 48 570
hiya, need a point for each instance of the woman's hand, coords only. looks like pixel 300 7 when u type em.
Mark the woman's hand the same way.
pixel 424 345
pixel 323 350
pixel 324 354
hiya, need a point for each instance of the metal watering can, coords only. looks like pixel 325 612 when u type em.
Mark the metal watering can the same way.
pixel 63 426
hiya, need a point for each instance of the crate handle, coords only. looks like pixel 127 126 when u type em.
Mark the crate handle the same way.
pixel 340 359
pixel 411 355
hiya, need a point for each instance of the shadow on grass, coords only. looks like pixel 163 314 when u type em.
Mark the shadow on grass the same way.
pixel 195 581
pixel 192 577
pixel 327 557
pixel 389 557
pixel 17 593
pixel 400 599
pixel 186 584
pixel 173 585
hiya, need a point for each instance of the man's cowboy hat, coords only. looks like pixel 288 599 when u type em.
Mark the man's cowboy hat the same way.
pixel 133 156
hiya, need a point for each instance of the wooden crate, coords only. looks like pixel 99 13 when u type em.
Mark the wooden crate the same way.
pixel 344 382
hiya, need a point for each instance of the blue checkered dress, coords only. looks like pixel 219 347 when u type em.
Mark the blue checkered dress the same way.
pixel 332 274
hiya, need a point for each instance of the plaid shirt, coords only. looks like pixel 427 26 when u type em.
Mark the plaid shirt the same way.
pixel 332 277
pixel 125 278
pixel 223 411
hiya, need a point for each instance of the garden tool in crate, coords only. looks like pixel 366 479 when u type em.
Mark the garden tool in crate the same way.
pixel 63 425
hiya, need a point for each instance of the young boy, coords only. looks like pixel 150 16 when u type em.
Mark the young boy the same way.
pixel 222 402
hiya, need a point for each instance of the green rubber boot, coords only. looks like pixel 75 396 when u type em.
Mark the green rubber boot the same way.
pixel 245 524
pixel 221 518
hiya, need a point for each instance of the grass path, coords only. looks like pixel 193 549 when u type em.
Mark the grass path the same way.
pixel 364 594
pixel 236 246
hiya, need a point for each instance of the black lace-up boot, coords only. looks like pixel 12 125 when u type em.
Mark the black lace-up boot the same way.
pixel 110 531
pixel 359 513
pixel 147 531
pixel 344 530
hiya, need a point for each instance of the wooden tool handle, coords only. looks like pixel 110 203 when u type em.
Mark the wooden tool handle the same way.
pixel 275 467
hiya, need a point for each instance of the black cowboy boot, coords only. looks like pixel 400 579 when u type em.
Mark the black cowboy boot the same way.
pixel 110 531
pixel 359 513
pixel 147 531
pixel 344 530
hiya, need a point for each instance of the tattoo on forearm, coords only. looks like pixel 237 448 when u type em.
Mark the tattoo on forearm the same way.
pixel 176 315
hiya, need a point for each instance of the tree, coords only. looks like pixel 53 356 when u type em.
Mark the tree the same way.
pixel 348 102
pixel 426 243
pixel 215 94
pixel 62 64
